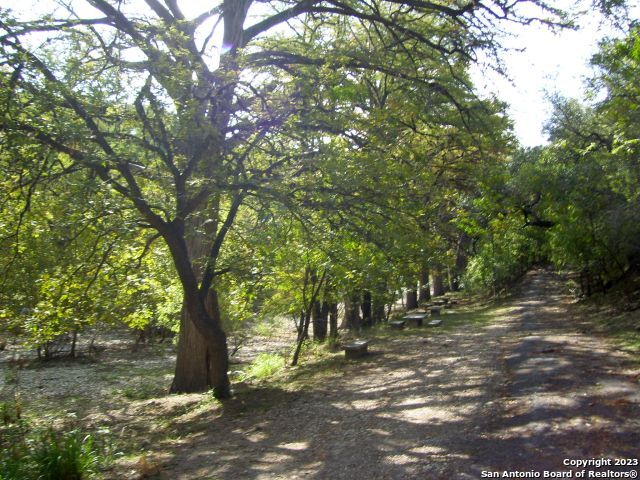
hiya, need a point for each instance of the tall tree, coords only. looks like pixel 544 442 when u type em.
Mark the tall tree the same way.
pixel 186 132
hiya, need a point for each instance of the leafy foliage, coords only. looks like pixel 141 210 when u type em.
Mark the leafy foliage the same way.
pixel 356 130
pixel 33 454
pixel 72 258
pixel 577 198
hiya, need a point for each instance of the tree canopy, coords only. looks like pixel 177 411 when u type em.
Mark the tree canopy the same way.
pixel 344 135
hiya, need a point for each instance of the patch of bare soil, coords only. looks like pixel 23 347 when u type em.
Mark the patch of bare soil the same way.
pixel 567 393
pixel 116 366
pixel 522 392
pixel 518 386
pixel 110 364
pixel 117 389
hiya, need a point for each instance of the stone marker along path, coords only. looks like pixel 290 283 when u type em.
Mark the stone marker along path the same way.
pixel 523 393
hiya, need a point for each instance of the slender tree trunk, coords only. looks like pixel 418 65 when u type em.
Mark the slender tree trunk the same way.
pixel 583 288
pixel 302 336
pixel 379 302
pixel 333 320
pixel 450 276
pixel 367 309
pixel 412 299
pixel 74 340
pixel 321 326
pixel 300 324
pixel 310 281
pixel 319 318
pixel 438 283
pixel 461 260
pixel 378 310
pixel 424 293
pixel 352 312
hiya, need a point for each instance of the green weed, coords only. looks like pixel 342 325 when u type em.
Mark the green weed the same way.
pixel 27 454
pixel 11 411
pixel 67 456
pixel 140 392
pixel 625 329
pixel 265 365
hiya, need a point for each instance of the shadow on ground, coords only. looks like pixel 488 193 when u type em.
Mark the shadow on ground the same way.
pixel 524 391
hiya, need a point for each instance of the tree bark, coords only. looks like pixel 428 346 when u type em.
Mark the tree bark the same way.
pixel 367 309
pixel 352 312
pixel 303 334
pixel 310 280
pixel 450 281
pixel 379 302
pixel 437 283
pixel 424 293
pixel 202 358
pixel 74 339
pixel 461 260
pixel 333 320
pixel 202 363
pixel 319 319
pixel 378 311
pixel 412 299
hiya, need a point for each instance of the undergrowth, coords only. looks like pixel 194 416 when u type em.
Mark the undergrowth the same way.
pixel 29 452
pixel 615 314
pixel 623 327
pixel 265 365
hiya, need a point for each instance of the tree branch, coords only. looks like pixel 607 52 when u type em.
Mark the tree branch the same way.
pixel 209 271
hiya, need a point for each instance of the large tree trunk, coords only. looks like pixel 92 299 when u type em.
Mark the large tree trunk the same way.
pixel 202 360
pixel 202 363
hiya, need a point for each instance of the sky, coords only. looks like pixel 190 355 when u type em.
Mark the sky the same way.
pixel 550 64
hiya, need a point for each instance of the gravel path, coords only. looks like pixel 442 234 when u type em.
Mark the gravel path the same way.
pixel 523 392
pixel 566 394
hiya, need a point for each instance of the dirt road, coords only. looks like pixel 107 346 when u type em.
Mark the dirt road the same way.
pixel 523 391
